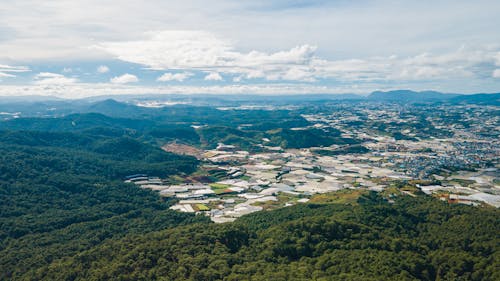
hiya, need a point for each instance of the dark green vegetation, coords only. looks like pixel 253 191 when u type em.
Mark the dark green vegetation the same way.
pixel 414 239
pixel 65 213
pixel 242 128
pixel 62 193
pixel 61 188
pixel 283 137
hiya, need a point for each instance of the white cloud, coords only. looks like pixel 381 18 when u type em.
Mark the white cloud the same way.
pixel 462 63
pixel 496 73
pixel 9 68
pixel 362 36
pixel 213 76
pixel 354 28
pixel 124 79
pixel 174 76
pixel 201 50
pixel 3 74
pixel 103 69
pixel 8 71
pixel 300 74
pixel 48 78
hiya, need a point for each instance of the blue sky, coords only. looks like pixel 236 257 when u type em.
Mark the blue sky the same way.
pixel 73 49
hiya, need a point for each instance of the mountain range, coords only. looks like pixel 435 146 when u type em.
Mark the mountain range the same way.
pixel 133 105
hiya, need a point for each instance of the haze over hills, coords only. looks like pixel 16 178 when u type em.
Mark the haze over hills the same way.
pixel 128 103
pixel 407 95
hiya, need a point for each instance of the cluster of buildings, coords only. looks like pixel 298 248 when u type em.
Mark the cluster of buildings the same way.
pixel 455 160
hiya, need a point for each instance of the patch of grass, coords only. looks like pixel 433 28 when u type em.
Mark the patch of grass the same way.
pixel 345 196
pixel 219 174
pixel 410 188
pixel 216 186
pixel 269 205
pixel 223 191
pixel 463 182
pixel 202 207
pixel 175 179
pixel 283 198
pixel 387 192
pixel 220 188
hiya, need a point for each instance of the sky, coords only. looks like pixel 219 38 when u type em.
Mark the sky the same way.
pixel 76 48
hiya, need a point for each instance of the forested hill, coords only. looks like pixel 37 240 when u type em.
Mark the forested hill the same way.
pixel 414 239
pixel 62 193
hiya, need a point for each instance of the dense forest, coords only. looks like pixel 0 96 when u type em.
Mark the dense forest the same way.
pixel 244 129
pixel 66 214
pixel 61 193
pixel 414 239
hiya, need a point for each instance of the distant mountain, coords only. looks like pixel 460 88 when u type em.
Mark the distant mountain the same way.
pixel 408 95
pixel 54 107
pixel 433 96
pixel 491 99
pixel 115 108
pixel 108 104
pixel 126 106
pixel 75 122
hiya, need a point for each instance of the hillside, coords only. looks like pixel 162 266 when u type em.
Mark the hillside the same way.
pixel 62 193
pixel 415 239
pixel 485 99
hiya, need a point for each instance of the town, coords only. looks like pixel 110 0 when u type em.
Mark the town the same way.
pixel 449 152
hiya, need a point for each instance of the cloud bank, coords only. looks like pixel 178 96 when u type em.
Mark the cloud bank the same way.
pixel 102 69
pixel 7 71
pixel 203 51
pixel 48 78
pixel 180 77
pixel 124 79
pixel 447 45
pixel 213 76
